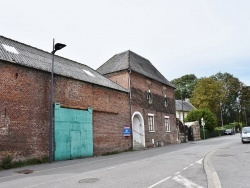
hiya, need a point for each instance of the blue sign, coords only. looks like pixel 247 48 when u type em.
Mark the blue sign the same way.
pixel 126 131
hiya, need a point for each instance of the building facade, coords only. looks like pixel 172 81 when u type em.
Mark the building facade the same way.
pixel 152 100
pixel 127 103
pixel 25 107
pixel 182 109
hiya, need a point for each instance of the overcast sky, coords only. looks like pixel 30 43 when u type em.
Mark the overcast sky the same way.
pixel 179 37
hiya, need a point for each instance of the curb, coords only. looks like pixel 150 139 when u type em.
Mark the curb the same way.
pixel 213 180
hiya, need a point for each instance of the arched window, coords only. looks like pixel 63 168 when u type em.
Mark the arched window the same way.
pixel 149 97
pixel 166 101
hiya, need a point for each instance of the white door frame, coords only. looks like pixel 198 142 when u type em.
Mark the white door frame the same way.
pixel 142 128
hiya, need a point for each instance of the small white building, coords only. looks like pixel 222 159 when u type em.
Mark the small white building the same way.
pixel 182 108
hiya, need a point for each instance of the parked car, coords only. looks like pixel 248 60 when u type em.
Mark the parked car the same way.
pixel 245 134
pixel 229 132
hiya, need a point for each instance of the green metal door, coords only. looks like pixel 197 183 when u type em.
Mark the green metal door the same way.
pixel 75 144
pixel 73 133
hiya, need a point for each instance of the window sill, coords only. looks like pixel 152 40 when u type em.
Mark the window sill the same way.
pixel 151 131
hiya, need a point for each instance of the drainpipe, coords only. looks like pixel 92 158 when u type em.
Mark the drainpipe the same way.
pixel 130 105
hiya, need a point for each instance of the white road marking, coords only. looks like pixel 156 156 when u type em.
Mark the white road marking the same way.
pixel 159 182
pixel 185 168
pixel 191 165
pixel 187 183
pixel 200 161
pixel 177 173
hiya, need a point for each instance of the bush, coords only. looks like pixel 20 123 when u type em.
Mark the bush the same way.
pixel 208 116
pixel 7 162
pixel 211 134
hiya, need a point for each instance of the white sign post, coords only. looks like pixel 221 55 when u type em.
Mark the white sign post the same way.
pixel 203 125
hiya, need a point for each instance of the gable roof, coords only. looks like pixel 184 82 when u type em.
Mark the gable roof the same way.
pixel 187 106
pixel 130 60
pixel 22 54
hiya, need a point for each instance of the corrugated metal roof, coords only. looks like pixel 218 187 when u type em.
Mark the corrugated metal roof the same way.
pixel 22 54
pixel 130 60
pixel 187 106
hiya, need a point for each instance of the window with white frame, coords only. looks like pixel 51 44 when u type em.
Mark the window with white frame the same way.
pixel 151 126
pixel 167 124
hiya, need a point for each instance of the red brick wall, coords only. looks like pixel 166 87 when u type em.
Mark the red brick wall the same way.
pixel 24 99
pixel 143 83
pixel 140 86
pixel 111 111
pixel 121 78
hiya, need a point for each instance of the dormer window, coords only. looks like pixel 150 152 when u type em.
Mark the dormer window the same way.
pixel 166 101
pixel 149 97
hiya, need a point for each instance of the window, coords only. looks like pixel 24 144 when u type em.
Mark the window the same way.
pixel 167 124
pixel 149 97
pixel 165 101
pixel 151 126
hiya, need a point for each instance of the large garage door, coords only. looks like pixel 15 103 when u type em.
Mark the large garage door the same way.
pixel 73 133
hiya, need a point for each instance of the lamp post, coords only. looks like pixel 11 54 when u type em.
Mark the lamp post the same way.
pixel 182 109
pixel 57 46
pixel 203 124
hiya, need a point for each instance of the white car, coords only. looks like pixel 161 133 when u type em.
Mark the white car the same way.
pixel 245 134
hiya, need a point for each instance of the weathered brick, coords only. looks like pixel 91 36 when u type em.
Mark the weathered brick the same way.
pixel 24 99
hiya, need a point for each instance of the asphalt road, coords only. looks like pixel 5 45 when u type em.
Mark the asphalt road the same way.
pixel 231 164
pixel 180 165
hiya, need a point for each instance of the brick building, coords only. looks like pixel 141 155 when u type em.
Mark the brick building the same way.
pixel 152 100
pixel 24 106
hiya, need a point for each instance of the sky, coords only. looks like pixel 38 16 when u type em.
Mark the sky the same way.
pixel 179 37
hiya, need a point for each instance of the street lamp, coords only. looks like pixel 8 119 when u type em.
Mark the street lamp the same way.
pixel 182 109
pixel 56 47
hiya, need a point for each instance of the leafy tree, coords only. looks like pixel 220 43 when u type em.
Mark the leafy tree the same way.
pixel 230 105
pixel 245 105
pixel 208 116
pixel 207 94
pixel 184 86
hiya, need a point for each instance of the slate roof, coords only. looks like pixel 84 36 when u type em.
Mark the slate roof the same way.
pixel 130 60
pixel 22 54
pixel 187 106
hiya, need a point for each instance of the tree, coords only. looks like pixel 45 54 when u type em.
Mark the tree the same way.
pixel 231 104
pixel 209 118
pixel 207 94
pixel 245 104
pixel 184 85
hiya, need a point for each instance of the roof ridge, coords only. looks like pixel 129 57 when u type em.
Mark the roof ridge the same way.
pixel 139 55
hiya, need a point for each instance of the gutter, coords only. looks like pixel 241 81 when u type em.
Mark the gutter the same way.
pixel 130 106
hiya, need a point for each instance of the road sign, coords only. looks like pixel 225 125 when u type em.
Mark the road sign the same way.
pixel 126 131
